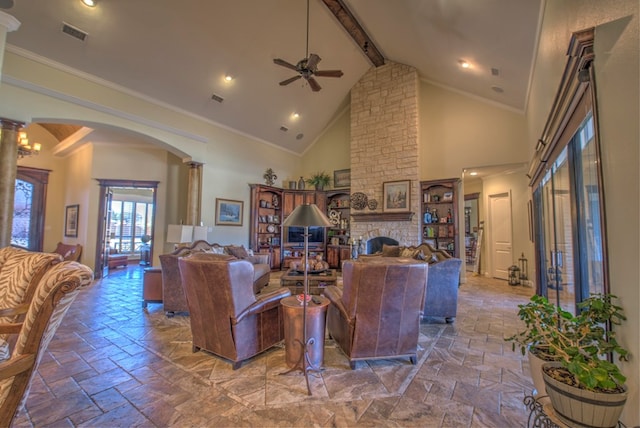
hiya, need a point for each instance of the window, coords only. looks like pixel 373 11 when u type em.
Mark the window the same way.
pixel 129 222
pixel 28 208
pixel 567 189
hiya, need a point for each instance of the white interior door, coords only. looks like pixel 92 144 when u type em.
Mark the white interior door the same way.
pixel 501 234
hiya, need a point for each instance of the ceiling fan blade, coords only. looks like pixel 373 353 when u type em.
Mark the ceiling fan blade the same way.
pixel 289 80
pixel 315 87
pixel 284 64
pixel 328 73
pixel 313 61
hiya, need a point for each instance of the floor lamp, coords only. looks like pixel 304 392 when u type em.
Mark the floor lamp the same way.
pixel 306 215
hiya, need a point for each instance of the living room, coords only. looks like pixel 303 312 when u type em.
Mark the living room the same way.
pixel 456 132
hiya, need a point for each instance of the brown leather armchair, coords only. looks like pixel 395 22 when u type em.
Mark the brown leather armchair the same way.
pixel 227 318
pixel 377 312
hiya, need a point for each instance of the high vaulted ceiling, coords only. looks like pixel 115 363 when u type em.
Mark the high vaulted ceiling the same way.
pixel 177 53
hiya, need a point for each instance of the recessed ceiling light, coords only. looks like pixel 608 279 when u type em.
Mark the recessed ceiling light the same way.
pixel 473 173
pixel 295 115
pixel 228 78
pixel 90 3
pixel 464 64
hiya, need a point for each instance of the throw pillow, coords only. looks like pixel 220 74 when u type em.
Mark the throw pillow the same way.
pixel 390 250
pixel 217 250
pixel 409 253
pixel 239 252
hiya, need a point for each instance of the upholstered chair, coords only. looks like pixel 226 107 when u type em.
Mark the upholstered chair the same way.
pixel 54 293
pixel 377 312
pixel 173 294
pixel 20 273
pixel 227 318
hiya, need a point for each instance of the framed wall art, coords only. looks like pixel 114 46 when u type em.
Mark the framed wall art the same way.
pixel 396 196
pixel 228 212
pixel 71 221
pixel 342 178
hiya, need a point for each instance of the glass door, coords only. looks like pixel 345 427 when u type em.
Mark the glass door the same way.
pixel 557 231
pixel 568 203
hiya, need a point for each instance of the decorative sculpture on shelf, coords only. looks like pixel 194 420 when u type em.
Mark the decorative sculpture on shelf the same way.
pixel 269 177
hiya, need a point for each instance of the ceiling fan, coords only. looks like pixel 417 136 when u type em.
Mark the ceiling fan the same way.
pixel 307 67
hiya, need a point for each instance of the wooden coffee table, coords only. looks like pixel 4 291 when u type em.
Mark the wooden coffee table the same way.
pixel 317 281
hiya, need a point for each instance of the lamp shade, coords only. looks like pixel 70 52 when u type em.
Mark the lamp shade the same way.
pixel 178 233
pixel 200 233
pixel 307 215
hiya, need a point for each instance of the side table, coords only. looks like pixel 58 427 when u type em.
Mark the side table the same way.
pixel 151 286
pixel 293 338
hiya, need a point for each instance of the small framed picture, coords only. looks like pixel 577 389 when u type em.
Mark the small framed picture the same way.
pixel 342 178
pixel 396 195
pixel 228 212
pixel 447 197
pixel 71 221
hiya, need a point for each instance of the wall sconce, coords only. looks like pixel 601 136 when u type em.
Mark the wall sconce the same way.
pixel 24 147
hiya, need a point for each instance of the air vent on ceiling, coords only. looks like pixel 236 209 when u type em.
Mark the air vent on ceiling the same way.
pixel 74 31
pixel 284 128
pixel 217 98
pixel 495 72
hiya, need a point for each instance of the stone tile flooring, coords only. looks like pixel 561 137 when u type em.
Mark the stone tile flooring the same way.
pixel 113 364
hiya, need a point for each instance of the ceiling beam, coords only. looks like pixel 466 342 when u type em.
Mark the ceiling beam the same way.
pixel 355 30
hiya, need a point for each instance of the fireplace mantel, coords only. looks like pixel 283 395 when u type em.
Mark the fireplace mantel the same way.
pixel 394 216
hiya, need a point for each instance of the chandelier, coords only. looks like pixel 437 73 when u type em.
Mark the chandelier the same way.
pixel 25 148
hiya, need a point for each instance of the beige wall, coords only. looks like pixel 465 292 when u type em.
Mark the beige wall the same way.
pixel 454 134
pixel 617 70
pixel 330 152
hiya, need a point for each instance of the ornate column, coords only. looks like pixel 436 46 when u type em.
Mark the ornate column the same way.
pixel 194 198
pixel 8 147
pixel 8 168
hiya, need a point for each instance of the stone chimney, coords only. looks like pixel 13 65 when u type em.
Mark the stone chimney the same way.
pixel 384 147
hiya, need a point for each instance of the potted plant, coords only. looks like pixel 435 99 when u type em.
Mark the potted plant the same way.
pixel 584 387
pixel 539 317
pixel 319 180
pixel 583 374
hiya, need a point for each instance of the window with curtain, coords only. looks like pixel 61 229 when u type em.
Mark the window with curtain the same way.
pixel 567 188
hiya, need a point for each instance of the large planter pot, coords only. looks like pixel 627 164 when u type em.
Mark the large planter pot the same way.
pixel 578 407
pixel 535 369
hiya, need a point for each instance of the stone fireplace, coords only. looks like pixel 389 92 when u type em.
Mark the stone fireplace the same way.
pixel 384 147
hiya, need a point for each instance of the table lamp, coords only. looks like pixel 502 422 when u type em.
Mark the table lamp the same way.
pixel 306 215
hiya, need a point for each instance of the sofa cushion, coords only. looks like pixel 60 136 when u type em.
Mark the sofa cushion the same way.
pixel 390 250
pixel 409 252
pixel 239 252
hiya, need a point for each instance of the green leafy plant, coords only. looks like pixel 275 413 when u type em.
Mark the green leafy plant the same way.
pixel 540 317
pixel 319 179
pixel 581 343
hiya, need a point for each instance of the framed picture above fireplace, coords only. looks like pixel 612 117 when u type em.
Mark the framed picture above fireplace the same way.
pixel 396 196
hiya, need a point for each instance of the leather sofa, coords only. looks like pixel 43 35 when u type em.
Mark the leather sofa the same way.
pixel 441 298
pixel 377 312
pixel 227 318
pixel 173 296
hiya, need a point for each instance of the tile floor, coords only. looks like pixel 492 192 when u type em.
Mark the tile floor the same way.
pixel 113 364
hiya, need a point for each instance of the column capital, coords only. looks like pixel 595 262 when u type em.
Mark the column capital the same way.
pixel 10 124
pixel 8 22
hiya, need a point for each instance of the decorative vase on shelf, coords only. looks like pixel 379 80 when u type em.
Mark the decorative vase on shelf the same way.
pixel 301 183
